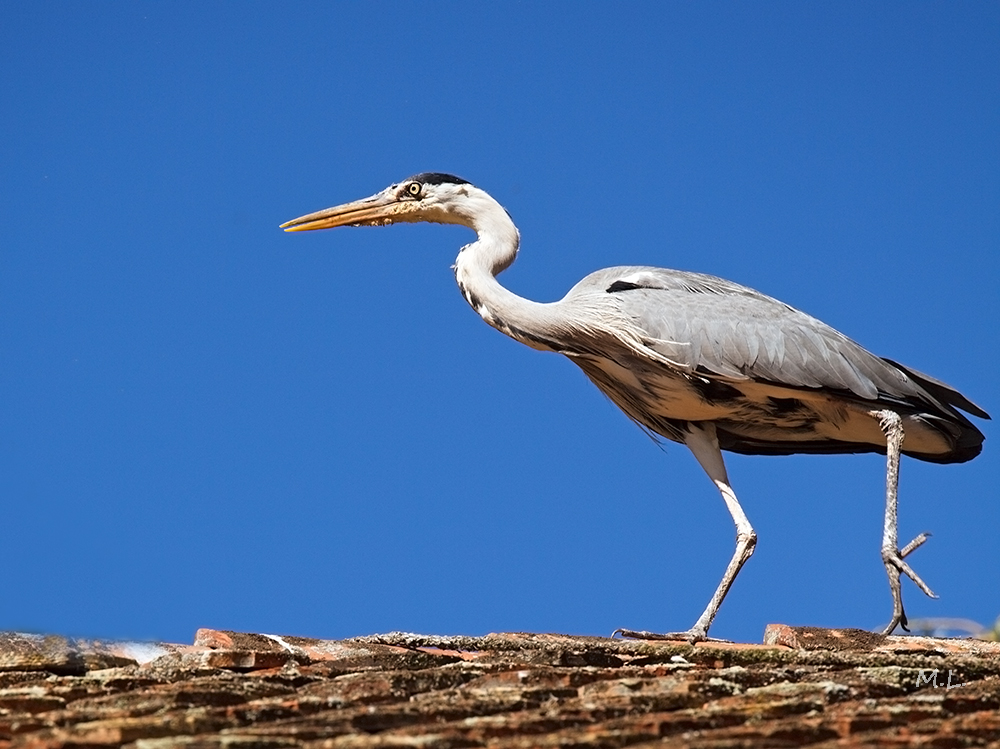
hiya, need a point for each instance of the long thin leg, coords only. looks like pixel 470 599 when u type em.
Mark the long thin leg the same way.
pixel 702 441
pixel 892 556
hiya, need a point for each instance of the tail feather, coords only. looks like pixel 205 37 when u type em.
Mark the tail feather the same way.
pixel 941 391
pixel 965 439
pixel 964 436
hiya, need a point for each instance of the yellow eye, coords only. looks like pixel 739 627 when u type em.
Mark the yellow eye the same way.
pixel 414 189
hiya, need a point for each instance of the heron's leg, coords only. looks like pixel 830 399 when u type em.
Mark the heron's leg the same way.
pixel 704 443
pixel 892 556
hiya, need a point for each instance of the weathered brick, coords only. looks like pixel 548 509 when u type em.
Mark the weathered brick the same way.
pixel 232 689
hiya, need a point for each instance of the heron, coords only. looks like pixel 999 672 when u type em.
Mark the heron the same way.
pixel 701 361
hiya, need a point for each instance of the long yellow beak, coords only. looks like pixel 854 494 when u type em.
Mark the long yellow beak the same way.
pixel 377 210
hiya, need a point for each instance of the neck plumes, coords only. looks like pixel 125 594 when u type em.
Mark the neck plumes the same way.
pixel 477 267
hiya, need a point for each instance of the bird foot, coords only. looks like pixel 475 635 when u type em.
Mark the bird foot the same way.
pixel 897 621
pixel 692 636
pixel 914 544
pixel 894 565
pixel 894 557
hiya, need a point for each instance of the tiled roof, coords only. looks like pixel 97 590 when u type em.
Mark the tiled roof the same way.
pixel 822 688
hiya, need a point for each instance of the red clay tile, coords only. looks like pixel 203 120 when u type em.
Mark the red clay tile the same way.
pixel 806 687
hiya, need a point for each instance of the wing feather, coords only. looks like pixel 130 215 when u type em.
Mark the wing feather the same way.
pixel 708 324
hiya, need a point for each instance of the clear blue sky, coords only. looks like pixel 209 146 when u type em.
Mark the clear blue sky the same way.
pixel 207 422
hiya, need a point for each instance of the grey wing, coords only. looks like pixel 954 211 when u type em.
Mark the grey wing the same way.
pixel 712 326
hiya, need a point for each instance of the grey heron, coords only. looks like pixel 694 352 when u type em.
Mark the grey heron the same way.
pixel 701 361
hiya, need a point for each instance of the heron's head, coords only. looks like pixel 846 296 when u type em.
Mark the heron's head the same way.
pixel 434 197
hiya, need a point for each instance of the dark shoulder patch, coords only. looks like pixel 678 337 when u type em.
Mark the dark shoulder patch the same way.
pixel 713 391
pixel 622 286
pixel 784 406
pixel 438 178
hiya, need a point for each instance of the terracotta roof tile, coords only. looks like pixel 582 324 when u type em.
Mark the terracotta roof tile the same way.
pixel 834 688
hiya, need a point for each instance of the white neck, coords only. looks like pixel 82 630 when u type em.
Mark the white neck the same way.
pixel 477 266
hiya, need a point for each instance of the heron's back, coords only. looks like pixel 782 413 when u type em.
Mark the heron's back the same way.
pixel 685 347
